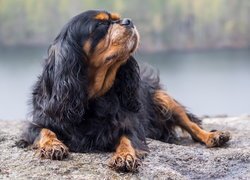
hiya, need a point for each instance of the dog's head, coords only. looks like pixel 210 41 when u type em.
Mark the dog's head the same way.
pixel 91 54
pixel 106 38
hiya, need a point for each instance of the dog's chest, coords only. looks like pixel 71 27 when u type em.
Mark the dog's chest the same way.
pixel 104 106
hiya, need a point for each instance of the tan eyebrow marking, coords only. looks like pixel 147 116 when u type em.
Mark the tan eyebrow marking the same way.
pixel 102 16
pixel 115 16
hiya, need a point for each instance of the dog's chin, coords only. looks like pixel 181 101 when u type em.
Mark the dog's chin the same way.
pixel 129 47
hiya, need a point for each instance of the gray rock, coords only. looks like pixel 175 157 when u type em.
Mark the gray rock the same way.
pixel 185 160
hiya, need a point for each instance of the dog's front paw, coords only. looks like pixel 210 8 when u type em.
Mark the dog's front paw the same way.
pixel 125 162
pixel 218 138
pixel 54 150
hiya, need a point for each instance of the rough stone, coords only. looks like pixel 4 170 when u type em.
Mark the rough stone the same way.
pixel 185 160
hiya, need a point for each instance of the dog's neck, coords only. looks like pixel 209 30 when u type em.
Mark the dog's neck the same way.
pixel 101 79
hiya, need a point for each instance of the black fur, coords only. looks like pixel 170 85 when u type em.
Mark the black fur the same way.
pixel 60 99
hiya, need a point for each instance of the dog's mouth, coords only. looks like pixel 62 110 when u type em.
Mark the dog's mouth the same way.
pixel 125 44
pixel 125 36
pixel 120 43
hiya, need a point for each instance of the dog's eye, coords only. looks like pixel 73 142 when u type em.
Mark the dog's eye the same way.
pixel 116 21
pixel 103 23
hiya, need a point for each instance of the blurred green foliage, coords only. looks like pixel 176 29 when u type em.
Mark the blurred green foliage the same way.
pixel 163 24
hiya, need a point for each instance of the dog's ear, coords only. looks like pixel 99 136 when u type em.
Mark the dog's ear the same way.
pixel 127 85
pixel 64 81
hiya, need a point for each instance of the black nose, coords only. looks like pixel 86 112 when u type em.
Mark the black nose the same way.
pixel 127 22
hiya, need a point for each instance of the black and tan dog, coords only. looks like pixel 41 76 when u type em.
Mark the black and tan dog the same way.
pixel 91 96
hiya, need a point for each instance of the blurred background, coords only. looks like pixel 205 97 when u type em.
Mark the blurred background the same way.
pixel 200 47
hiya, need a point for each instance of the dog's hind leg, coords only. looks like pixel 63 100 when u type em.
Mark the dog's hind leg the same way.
pixel 188 122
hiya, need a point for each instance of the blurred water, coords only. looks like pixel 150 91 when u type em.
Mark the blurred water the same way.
pixel 208 83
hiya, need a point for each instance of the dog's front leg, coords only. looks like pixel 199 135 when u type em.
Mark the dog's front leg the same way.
pixel 125 157
pixel 49 146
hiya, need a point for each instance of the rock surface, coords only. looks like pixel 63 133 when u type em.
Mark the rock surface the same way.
pixel 187 160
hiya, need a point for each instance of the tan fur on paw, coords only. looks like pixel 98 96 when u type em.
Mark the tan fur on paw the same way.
pixel 125 162
pixel 218 138
pixel 53 149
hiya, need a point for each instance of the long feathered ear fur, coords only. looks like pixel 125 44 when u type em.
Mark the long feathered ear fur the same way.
pixel 63 82
pixel 127 85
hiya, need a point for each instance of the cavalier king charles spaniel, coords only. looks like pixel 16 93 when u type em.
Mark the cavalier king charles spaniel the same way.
pixel 92 96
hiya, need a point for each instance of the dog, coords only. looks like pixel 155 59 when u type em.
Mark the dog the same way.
pixel 92 96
